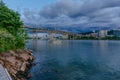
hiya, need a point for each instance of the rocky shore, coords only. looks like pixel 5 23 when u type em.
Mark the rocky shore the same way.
pixel 17 63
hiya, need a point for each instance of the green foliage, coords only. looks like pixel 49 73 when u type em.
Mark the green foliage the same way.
pixel 12 34
pixel 6 40
pixel 9 19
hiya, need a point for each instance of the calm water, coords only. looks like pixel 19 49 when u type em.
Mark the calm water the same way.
pixel 76 60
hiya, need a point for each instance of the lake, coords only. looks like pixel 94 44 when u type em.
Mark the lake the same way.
pixel 76 60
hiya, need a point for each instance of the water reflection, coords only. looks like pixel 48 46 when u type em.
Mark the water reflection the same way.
pixel 77 60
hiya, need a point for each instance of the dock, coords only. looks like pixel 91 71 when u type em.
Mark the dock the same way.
pixel 4 75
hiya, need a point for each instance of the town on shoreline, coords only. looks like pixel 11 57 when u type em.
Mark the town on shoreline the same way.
pixel 45 34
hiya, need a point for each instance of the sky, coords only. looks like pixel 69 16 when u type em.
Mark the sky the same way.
pixel 68 13
pixel 21 5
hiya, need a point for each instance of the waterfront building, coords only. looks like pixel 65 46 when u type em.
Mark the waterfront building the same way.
pixel 38 35
pixel 102 33
pixel 65 36
pixel 116 33
pixel 110 33
pixel 95 35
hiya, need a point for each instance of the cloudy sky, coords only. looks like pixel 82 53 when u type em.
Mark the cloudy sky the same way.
pixel 68 13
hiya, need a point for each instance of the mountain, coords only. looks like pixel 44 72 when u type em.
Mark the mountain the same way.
pixel 70 28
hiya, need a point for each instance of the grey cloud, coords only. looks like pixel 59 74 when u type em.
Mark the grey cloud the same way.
pixel 77 13
pixel 63 7
pixel 73 8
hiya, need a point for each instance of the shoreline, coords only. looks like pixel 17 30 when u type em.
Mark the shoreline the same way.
pixel 18 63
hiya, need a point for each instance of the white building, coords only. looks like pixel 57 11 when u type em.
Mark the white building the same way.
pixel 102 33
pixel 39 35
pixel 65 36
pixel 44 36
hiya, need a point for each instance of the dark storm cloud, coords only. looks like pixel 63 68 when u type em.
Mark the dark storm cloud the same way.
pixel 77 13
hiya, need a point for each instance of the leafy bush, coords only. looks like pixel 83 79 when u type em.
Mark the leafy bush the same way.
pixel 9 19
pixel 12 33
pixel 6 41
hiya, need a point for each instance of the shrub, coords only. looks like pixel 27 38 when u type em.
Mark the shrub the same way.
pixel 6 41
pixel 12 33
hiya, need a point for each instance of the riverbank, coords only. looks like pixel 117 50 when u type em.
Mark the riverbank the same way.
pixel 17 63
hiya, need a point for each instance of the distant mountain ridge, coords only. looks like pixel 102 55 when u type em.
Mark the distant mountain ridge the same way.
pixel 71 29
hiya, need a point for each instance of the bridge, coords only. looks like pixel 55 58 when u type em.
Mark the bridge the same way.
pixel 42 30
pixel 48 31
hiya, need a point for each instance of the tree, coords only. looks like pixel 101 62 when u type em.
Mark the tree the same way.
pixel 9 19
pixel 11 24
